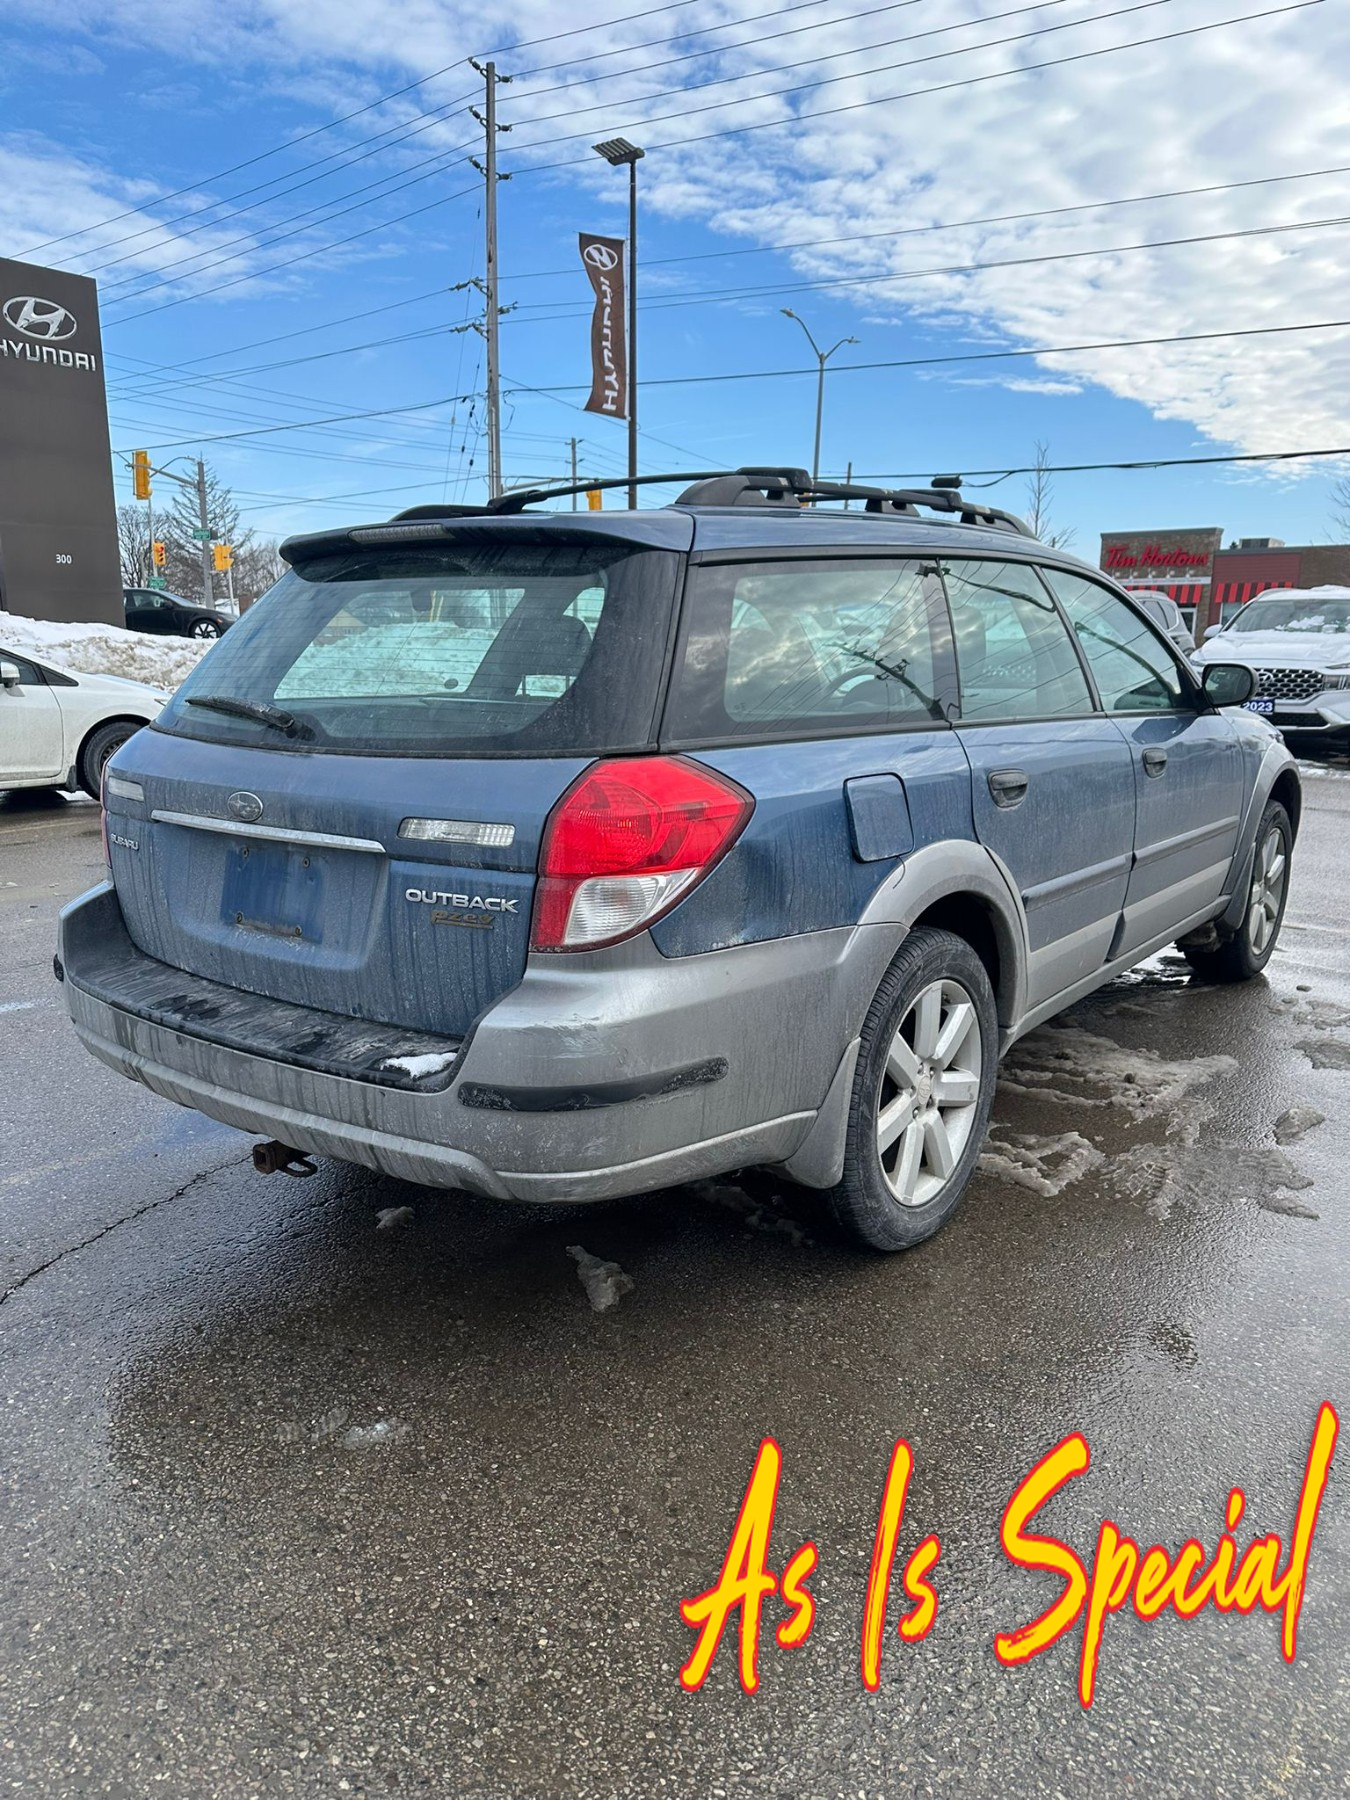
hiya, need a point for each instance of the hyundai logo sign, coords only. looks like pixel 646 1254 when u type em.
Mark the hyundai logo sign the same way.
pixel 600 256
pixel 37 318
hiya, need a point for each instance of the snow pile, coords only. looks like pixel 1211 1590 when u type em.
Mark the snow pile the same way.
pixel 1045 1165
pixel 604 1282
pixel 419 1067
pixel 105 650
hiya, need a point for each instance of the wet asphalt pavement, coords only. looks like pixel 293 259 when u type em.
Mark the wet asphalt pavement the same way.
pixel 293 1505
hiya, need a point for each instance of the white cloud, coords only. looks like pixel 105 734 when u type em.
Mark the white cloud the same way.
pixel 1227 105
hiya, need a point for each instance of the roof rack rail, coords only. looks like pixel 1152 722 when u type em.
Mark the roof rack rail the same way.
pixel 757 486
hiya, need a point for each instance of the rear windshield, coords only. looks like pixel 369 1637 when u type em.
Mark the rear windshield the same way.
pixel 508 647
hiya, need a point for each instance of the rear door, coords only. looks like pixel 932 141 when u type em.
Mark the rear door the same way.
pixel 31 737
pixel 822 685
pixel 1186 760
pixel 145 610
pixel 343 805
pixel 1052 783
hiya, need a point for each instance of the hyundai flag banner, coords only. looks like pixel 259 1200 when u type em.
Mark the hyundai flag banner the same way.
pixel 603 260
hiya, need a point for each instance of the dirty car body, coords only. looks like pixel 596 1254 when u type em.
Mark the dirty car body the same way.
pixel 561 856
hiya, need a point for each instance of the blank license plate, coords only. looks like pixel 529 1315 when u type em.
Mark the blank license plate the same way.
pixel 1261 706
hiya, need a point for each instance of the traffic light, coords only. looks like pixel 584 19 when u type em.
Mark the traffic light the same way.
pixel 595 499
pixel 140 474
pixel 158 553
pixel 224 558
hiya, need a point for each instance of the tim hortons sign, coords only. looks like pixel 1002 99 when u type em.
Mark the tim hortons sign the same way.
pixel 1142 557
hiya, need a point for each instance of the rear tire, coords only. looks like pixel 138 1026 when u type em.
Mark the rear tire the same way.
pixel 204 628
pixel 922 1093
pixel 99 746
pixel 1246 953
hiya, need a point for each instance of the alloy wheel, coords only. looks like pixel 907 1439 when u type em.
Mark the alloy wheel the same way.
pixel 1267 895
pixel 929 1090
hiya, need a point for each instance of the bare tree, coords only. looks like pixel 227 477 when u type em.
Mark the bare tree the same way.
pixel 1040 493
pixel 133 543
pixel 1340 506
pixel 257 567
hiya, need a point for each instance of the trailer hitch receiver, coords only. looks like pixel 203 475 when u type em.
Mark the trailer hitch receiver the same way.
pixel 276 1158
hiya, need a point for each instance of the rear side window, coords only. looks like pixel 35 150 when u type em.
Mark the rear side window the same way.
pixel 491 645
pixel 1134 670
pixel 1014 656
pixel 810 648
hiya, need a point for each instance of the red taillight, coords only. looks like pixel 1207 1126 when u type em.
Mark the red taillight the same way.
pixel 103 817
pixel 626 841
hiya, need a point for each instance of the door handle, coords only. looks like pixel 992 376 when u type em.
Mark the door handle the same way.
pixel 1008 787
pixel 1155 761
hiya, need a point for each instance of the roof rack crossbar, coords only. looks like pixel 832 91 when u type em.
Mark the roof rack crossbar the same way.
pixel 754 486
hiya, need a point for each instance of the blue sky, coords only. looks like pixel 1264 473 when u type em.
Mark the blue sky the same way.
pixel 947 178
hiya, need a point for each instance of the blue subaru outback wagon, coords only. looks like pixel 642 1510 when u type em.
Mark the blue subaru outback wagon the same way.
pixel 557 855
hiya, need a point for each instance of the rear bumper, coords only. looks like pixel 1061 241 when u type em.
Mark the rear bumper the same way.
pixel 605 1074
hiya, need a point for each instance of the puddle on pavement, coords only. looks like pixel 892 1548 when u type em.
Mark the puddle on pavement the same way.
pixel 1065 1074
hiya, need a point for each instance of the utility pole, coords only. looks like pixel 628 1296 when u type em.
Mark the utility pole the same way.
pixel 488 169
pixel 208 579
pixel 573 443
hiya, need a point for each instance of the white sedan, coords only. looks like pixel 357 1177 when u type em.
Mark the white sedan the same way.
pixel 57 728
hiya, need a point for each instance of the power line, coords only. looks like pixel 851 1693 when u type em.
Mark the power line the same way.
pixel 912 37
pixel 555 37
pixel 290 261
pixel 972 356
pixel 1162 462
pixel 382 412
pixel 443 159
pixel 733 131
pixel 887 99
pixel 969 81
pixel 717 49
pixel 368 312
pixel 200 223
pixel 650 436
pixel 307 218
pixel 1044 212
pixel 777 12
pixel 248 163
pixel 721 296
pixel 400 133
pixel 173 371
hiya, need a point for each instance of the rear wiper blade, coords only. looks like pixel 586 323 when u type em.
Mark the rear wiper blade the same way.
pixel 275 716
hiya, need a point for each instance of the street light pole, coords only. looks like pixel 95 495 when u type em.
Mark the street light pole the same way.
pixel 632 335
pixel 617 151
pixel 822 357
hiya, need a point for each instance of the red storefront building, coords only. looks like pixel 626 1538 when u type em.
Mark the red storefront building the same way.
pixel 1194 568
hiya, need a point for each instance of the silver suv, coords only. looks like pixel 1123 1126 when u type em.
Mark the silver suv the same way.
pixel 558 856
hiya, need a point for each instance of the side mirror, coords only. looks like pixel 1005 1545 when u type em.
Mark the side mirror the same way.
pixel 1228 684
pixel 9 674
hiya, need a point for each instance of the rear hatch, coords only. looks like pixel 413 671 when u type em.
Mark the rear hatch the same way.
pixel 342 807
